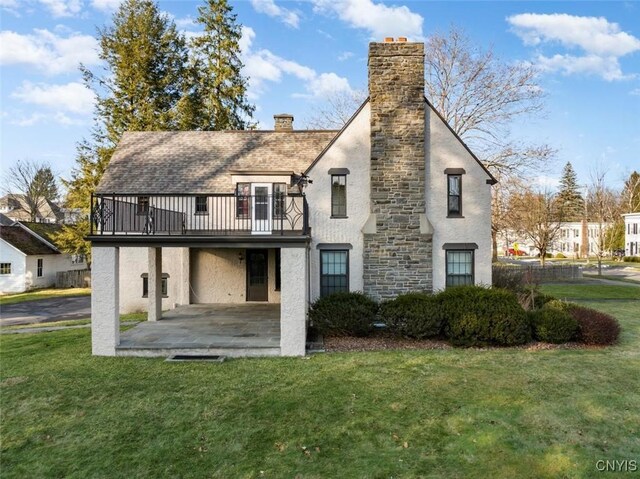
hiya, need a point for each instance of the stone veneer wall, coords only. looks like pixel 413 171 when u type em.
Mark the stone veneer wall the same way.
pixel 397 257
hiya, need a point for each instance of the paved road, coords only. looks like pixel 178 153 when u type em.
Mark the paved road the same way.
pixel 46 310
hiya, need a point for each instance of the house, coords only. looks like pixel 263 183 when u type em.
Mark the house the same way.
pixel 29 258
pixel 393 202
pixel 14 206
pixel 632 234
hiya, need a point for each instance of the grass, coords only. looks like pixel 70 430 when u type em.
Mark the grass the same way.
pixel 75 322
pixel 611 277
pixel 588 291
pixel 403 414
pixel 42 294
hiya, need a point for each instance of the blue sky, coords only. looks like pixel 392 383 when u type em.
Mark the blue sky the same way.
pixel 298 52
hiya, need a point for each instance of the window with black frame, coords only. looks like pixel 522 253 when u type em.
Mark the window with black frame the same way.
pixel 338 196
pixel 334 271
pixel 243 192
pixel 143 205
pixel 279 200
pixel 460 267
pixel 164 285
pixel 201 205
pixel 454 194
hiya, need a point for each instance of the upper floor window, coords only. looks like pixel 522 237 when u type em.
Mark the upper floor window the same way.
pixel 5 268
pixel 243 192
pixel 454 195
pixel 279 200
pixel 201 205
pixel 143 205
pixel 339 196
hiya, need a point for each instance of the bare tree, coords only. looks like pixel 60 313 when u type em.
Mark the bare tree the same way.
pixel 603 208
pixel 337 110
pixel 503 208
pixel 30 185
pixel 538 217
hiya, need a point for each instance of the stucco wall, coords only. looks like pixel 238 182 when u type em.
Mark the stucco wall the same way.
pixel 133 263
pixel 445 151
pixel 14 282
pixel 218 276
pixel 350 150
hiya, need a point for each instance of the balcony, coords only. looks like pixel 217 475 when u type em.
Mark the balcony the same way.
pixel 198 215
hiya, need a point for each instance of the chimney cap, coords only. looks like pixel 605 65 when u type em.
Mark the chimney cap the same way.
pixel 283 115
pixel 388 39
pixel 402 39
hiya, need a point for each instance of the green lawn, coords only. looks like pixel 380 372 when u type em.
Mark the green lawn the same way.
pixel 42 294
pixel 586 291
pixel 76 322
pixel 499 413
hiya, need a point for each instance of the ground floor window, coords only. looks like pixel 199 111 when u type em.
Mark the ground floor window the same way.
pixel 334 271
pixel 459 267
pixel 40 267
pixel 164 287
pixel 5 268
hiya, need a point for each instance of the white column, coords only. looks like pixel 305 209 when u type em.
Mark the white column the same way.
pixel 105 301
pixel 184 296
pixel 155 284
pixel 293 301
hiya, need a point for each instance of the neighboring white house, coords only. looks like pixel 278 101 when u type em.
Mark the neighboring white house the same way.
pixel 632 234
pixel 392 203
pixel 29 258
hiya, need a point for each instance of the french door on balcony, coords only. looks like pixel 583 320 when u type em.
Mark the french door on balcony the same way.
pixel 261 208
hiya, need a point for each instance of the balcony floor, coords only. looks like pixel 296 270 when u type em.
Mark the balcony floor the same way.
pixel 249 329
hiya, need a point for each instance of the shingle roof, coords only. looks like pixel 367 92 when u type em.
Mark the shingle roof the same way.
pixel 44 230
pixel 24 241
pixel 5 220
pixel 202 161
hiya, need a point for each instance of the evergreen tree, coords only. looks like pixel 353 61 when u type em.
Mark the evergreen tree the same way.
pixel 217 100
pixel 569 197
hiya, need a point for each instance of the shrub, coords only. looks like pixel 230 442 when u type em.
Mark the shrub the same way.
pixel 476 316
pixel 344 314
pixel 413 315
pixel 512 278
pixel 595 327
pixel 532 298
pixel 631 259
pixel 553 323
pixel 560 256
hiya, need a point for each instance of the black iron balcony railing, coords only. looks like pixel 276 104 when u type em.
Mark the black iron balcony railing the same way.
pixel 191 214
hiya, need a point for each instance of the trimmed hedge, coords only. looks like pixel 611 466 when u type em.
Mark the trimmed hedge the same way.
pixel 477 316
pixel 344 314
pixel 595 327
pixel 560 256
pixel 631 259
pixel 553 323
pixel 412 315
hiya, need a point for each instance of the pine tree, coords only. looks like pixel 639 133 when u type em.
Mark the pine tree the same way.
pixel 631 193
pixel 218 98
pixel 569 196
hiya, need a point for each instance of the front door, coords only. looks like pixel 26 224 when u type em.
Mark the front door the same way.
pixel 257 277
pixel 261 208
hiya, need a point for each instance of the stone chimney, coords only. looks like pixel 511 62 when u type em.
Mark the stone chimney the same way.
pixel 397 243
pixel 283 122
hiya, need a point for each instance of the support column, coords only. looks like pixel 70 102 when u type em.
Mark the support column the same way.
pixel 155 284
pixel 184 296
pixel 293 301
pixel 105 300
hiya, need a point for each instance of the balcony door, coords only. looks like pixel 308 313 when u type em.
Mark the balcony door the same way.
pixel 261 208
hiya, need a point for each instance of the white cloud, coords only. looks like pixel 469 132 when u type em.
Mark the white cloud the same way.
pixel 545 182
pixel 378 19
pixel 106 5
pixel 345 56
pixel 47 51
pixel 262 66
pixel 635 92
pixel 72 97
pixel 9 4
pixel 63 8
pixel 270 8
pixel 36 118
pixel 602 42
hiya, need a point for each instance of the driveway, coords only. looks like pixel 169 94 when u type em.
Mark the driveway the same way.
pixel 46 310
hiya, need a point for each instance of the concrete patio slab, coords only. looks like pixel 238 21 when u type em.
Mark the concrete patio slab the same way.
pixel 250 329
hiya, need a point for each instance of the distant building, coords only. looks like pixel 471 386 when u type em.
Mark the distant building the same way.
pixel 29 257
pixel 632 234
pixel 15 208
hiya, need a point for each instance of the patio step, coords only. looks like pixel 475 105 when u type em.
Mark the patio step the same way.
pixel 228 352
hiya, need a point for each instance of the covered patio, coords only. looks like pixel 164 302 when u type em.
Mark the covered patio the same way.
pixel 234 330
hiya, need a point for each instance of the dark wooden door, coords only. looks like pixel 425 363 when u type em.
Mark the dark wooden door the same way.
pixel 257 275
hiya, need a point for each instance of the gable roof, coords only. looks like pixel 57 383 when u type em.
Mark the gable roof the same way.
pixel 24 241
pixel 16 205
pixel 45 230
pixel 5 220
pixel 202 161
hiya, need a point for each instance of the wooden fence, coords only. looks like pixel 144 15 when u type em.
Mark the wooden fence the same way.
pixel 80 278
pixel 535 273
